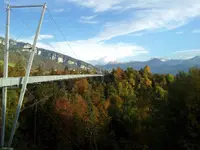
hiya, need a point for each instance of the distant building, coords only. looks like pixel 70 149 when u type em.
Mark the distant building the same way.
pixel 84 67
pixel 27 47
pixel 71 62
pixel 53 56
pixel 60 59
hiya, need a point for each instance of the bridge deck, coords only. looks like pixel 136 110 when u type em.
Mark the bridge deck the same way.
pixel 16 81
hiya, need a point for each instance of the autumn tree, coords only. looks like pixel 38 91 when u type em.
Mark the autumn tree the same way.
pixel 147 70
pixel 129 110
pixel 82 86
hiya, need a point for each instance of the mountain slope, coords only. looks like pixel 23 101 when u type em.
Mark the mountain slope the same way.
pixel 46 58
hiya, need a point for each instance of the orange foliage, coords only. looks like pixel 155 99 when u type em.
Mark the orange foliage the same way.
pixel 64 107
pixel 81 108
pixel 82 86
pixel 119 73
pixel 102 108
pixel 106 104
pixel 96 98
pixel 58 72
pixel 69 109
pixel 148 82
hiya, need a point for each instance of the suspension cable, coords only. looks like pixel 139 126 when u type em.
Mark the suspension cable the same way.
pixel 29 26
pixel 59 29
pixel 65 40
pixel 54 49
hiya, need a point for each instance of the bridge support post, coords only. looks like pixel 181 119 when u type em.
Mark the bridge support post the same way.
pixel 26 78
pixel 5 75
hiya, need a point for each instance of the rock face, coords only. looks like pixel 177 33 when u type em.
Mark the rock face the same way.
pixel 48 54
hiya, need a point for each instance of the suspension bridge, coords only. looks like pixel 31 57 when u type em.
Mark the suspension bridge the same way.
pixel 22 82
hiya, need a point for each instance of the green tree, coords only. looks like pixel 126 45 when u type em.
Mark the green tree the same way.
pixel 170 78
pixel 179 118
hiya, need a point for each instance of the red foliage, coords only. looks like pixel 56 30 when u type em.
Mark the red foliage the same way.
pixel 69 109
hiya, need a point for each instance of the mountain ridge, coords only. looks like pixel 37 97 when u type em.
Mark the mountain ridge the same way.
pixel 55 59
pixel 172 66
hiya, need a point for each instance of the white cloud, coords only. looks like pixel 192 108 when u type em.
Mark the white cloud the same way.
pixel 185 54
pixel 88 19
pixel 188 51
pixel 105 5
pixel 88 50
pixel 165 19
pixel 147 15
pixel 40 43
pixel 102 61
pixel 179 32
pixel 58 10
pixel 46 36
pixel 98 6
pixel 196 31
pixel 41 37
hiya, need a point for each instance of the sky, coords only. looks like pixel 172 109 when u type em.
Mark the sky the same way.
pixel 100 31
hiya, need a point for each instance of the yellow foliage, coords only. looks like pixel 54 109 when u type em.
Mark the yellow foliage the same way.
pixel 147 69
pixel 148 82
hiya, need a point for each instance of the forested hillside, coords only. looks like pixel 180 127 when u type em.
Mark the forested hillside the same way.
pixel 125 110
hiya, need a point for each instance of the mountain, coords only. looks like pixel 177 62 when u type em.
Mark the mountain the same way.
pixel 47 58
pixel 157 65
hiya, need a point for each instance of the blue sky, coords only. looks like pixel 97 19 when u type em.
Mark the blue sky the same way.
pixel 112 30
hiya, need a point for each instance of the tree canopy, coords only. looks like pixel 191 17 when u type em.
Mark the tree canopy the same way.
pixel 128 110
